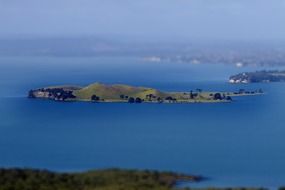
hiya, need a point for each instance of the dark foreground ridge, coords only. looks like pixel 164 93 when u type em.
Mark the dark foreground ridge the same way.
pixel 110 179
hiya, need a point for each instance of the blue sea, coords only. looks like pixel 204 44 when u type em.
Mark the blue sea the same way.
pixel 232 144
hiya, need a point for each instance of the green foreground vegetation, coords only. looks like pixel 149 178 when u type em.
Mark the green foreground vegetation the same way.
pixel 110 179
pixel 98 92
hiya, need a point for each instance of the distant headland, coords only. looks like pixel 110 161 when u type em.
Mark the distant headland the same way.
pixel 258 77
pixel 99 92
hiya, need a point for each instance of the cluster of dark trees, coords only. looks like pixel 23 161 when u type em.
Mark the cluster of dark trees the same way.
pixel 57 94
pixel 219 96
pixel 170 99
pixel 193 95
pixel 131 99
pixel 124 97
pixel 150 97
pixel 95 98
pixel 135 100
pixel 159 99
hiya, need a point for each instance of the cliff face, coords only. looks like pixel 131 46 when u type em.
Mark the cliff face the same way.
pixel 58 94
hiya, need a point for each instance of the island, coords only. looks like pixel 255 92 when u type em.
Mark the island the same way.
pixel 258 77
pixel 99 92
pixel 108 179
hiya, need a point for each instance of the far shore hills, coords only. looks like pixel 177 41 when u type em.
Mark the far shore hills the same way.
pixel 258 77
pixel 99 92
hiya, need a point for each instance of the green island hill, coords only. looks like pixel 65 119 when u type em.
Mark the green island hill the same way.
pixel 99 92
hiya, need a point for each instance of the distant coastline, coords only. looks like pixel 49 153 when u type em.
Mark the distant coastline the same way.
pixel 258 77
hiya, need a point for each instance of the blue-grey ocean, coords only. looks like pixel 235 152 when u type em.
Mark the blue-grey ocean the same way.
pixel 233 144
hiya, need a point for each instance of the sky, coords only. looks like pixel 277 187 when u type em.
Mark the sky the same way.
pixel 145 19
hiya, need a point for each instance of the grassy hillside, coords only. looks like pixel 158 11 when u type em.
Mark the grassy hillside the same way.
pixel 115 91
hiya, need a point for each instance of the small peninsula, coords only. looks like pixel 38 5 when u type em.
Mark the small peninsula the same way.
pixel 258 77
pixel 99 92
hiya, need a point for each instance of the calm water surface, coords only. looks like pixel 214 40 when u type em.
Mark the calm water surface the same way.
pixel 236 144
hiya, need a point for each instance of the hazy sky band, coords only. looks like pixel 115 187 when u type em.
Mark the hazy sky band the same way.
pixel 210 19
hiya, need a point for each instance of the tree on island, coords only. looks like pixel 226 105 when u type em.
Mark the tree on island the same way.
pixel 229 98
pixel 170 99
pixel 149 97
pixel 138 100
pixel 159 100
pixel 131 100
pixel 218 96
pixel 95 98
pixel 191 95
